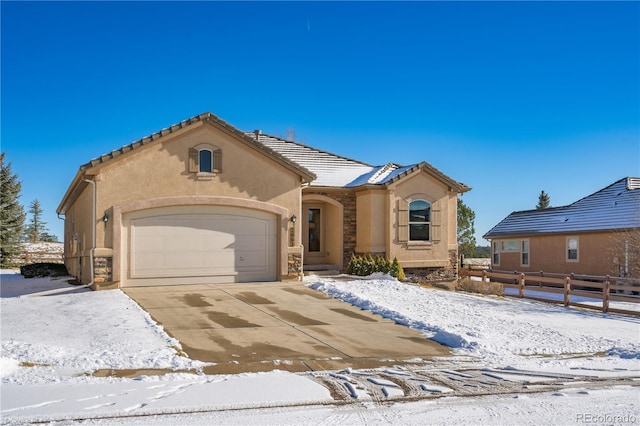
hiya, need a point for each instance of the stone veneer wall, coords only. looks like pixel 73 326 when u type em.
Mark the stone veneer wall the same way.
pixel 103 269
pixel 439 274
pixel 294 265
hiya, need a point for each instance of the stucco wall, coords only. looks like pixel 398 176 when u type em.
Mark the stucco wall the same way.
pixel 371 208
pixel 340 224
pixel 78 236
pixel 160 170
pixel 435 253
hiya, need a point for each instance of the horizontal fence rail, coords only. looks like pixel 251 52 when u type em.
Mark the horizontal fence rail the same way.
pixel 559 288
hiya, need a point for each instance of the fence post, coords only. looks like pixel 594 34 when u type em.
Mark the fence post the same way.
pixel 484 276
pixel 521 286
pixel 567 289
pixel 605 295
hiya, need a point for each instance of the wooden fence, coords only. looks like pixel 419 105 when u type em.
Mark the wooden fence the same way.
pixel 561 287
pixel 40 253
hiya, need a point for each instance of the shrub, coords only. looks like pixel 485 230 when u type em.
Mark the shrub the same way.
pixel 471 286
pixel 43 270
pixel 367 265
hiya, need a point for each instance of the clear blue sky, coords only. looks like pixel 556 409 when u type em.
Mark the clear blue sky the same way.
pixel 510 98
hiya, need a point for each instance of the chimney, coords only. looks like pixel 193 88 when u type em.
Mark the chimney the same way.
pixel 257 132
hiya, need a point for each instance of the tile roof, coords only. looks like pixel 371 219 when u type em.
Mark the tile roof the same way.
pixel 204 117
pixel 330 169
pixel 341 172
pixel 615 207
pixel 322 168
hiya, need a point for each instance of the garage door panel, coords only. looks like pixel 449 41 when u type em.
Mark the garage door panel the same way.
pixel 227 243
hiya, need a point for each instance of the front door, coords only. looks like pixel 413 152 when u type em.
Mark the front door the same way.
pixel 313 232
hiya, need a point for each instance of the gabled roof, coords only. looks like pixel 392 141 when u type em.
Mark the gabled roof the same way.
pixel 79 181
pixel 341 172
pixel 615 207
pixel 205 117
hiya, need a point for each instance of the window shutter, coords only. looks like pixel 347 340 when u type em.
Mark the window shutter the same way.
pixel 193 160
pixel 436 223
pixel 403 221
pixel 217 161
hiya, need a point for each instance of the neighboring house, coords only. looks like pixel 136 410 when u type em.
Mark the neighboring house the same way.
pixel 596 235
pixel 202 202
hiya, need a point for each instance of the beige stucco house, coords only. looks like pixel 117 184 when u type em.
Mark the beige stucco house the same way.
pixel 202 202
pixel 596 235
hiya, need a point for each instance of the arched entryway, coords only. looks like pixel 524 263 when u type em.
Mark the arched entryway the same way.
pixel 322 232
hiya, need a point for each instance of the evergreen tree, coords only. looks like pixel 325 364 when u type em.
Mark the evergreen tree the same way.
pixel 36 228
pixel 544 202
pixel 11 215
pixel 45 237
pixel 466 230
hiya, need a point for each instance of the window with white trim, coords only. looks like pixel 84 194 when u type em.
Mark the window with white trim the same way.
pixel 496 253
pixel 572 249
pixel 524 253
pixel 419 220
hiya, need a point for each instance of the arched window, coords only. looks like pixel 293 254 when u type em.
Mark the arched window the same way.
pixel 205 161
pixel 419 220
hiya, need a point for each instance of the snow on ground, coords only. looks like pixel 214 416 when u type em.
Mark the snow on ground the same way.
pixel 501 332
pixel 71 333
pixel 51 343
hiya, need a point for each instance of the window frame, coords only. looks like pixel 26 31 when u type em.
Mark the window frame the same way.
pixel 495 253
pixel 510 246
pixel 428 222
pixel 195 161
pixel 210 161
pixel 524 252
pixel 568 249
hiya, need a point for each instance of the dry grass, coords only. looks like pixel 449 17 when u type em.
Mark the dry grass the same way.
pixel 470 286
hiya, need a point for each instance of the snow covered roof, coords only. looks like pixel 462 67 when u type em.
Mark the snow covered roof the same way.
pixel 316 167
pixel 336 171
pixel 330 169
pixel 615 207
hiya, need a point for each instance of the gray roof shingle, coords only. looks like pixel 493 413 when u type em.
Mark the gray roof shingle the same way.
pixel 336 171
pixel 615 207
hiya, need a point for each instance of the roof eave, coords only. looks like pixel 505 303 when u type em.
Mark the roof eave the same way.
pixel 72 193
pixel 206 117
pixel 454 186
pixel 490 235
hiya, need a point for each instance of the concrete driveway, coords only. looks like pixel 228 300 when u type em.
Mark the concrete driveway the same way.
pixel 262 326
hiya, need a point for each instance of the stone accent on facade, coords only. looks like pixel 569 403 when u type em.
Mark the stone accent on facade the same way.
pixel 453 262
pixel 439 274
pixel 294 265
pixel 103 269
pixel 348 201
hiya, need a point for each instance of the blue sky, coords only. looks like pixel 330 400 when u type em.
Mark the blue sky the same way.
pixel 510 98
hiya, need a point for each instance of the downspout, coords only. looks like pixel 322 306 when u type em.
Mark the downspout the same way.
pixel 93 239
pixel 64 245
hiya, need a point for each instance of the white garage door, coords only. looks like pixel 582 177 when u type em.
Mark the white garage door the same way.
pixel 186 245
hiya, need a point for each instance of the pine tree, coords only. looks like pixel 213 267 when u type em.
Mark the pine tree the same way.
pixel 11 215
pixel 36 228
pixel 466 230
pixel 544 202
